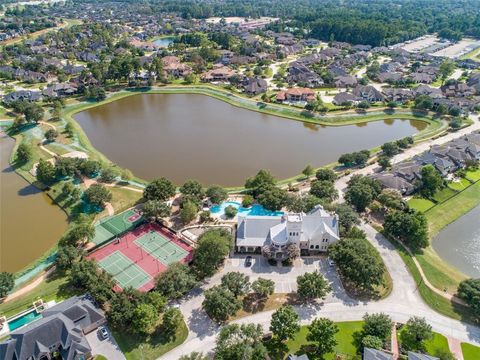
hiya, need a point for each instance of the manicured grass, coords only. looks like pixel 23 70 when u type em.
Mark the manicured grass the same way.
pixel 473 175
pixel 439 274
pixel 420 204
pixel 438 342
pixel 447 212
pixel 55 288
pixel 460 184
pixel 444 194
pixel 470 352
pixel 344 337
pixel 136 348
pixel 123 199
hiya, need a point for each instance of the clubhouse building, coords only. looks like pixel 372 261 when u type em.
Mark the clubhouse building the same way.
pixel 311 233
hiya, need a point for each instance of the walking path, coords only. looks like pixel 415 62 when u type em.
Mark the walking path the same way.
pixel 455 347
pixel 30 286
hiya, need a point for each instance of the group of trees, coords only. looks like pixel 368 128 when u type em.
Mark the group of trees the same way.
pixel 469 291
pixel 358 158
pixel 27 113
pixel 361 191
pixel 324 187
pixel 409 226
pixel 358 262
pixel 7 282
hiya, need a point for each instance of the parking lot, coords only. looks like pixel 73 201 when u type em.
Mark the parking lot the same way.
pixel 285 277
pixel 106 347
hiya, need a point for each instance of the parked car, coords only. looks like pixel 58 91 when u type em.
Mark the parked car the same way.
pixel 331 262
pixel 248 261
pixel 103 332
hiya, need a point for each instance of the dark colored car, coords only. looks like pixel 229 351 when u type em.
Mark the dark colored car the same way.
pixel 248 261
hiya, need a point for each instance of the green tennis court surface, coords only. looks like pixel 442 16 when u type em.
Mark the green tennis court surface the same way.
pixel 161 248
pixel 113 226
pixel 125 272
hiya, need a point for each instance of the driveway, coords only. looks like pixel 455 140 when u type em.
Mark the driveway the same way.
pixel 106 347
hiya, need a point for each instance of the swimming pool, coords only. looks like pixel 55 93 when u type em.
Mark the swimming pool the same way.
pixel 24 319
pixel 254 210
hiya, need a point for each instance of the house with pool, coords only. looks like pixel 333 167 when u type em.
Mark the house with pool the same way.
pixel 310 233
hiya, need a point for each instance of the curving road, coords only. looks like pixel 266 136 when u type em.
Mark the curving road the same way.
pixel 403 303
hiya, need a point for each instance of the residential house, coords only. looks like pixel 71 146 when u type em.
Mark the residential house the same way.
pixel 22 95
pixel 297 357
pixel 173 67
pixel 421 78
pixel 294 95
pixel 59 90
pixel 218 73
pixel 417 356
pixel 368 93
pixel 457 90
pixel 300 74
pixel 345 98
pixel 313 232
pixel 398 95
pixel 389 77
pixel 374 354
pixel 254 85
pixel 392 181
pixel 345 81
pixel 61 331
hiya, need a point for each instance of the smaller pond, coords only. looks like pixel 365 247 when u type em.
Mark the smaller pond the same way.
pixel 164 42
pixel 459 243
pixel 254 210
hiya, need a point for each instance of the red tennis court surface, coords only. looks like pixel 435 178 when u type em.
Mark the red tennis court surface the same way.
pixel 138 256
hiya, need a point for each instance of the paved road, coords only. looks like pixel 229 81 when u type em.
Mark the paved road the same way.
pixel 403 303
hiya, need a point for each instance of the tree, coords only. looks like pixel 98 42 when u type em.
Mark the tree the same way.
pixel 469 291
pixel 193 191
pixel 285 322
pixel 90 168
pixel 326 174
pixel 212 248
pixel 172 318
pixel 195 356
pixel 176 281
pixel 220 303
pixel 423 102
pixel 66 256
pixel 372 342
pixel 33 113
pixel 273 199
pixel 312 286
pixel 154 209
pixel 263 288
pixel 78 232
pixel 322 333
pixel 308 171
pixel 236 282
pixel 159 189
pixel 377 325
pixel 347 217
pixel 97 195
pixel 411 227
pixel 145 319
pixel 324 189
pixel 45 172
pixel 390 148
pixel 86 276
pixel 7 282
pixel 446 68
pixel 415 332
pixel 261 182
pixel 217 194
pixel 188 212
pixel 230 211
pixel 359 262
pixel 361 191
pixel 51 135
pixel 444 354
pixel 24 153
pixel 384 162
pixel 240 342
pixel 109 174
pixel 431 181
pixel 247 201
pixel 67 167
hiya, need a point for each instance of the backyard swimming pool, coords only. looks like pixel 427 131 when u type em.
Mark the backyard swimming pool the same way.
pixel 24 319
pixel 254 210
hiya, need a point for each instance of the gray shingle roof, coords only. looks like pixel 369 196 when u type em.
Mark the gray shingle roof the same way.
pixel 373 354
pixel 417 356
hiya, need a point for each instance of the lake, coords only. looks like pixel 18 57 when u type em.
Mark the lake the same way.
pixel 187 136
pixel 30 224
pixel 459 243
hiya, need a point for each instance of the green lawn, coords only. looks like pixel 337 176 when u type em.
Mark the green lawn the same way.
pixel 444 194
pixel 51 289
pixel 443 214
pixel 473 175
pixel 438 342
pixel 420 204
pixel 344 338
pixel 136 348
pixel 470 352
pixel 460 184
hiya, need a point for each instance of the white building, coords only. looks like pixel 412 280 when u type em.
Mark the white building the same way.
pixel 313 232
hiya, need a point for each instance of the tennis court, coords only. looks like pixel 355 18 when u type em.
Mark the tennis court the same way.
pixel 161 248
pixel 113 226
pixel 125 272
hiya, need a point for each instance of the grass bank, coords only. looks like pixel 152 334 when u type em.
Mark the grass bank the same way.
pixel 470 352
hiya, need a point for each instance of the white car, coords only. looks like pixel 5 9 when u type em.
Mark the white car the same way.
pixel 331 262
pixel 103 332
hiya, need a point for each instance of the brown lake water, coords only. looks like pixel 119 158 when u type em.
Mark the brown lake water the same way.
pixel 185 136
pixel 30 224
pixel 459 243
